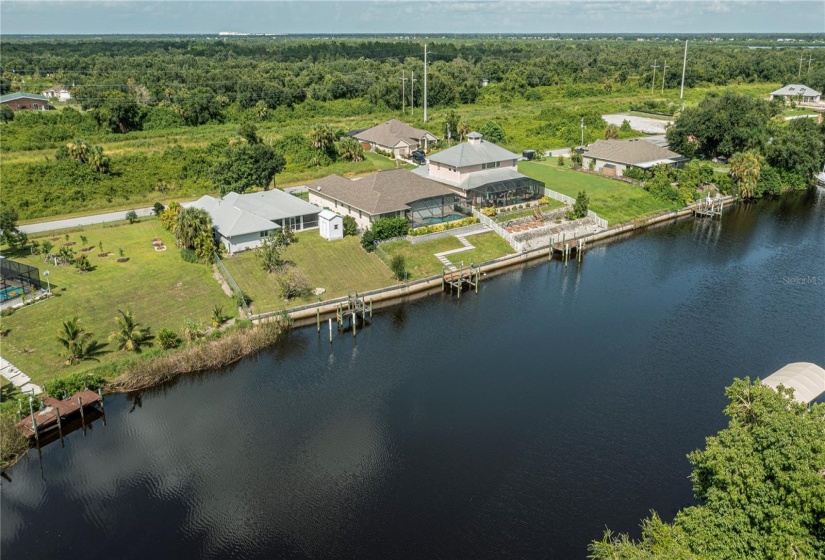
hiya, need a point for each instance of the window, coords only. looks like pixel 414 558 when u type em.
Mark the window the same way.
pixel 35 106
pixel 490 165
pixel 335 227
pixel 264 233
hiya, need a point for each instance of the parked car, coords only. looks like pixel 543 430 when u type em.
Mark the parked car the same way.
pixel 418 157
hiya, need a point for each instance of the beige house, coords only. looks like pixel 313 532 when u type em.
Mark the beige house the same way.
pixel 395 136
pixel 481 173
pixel 797 93
pixel 613 157
pixel 386 194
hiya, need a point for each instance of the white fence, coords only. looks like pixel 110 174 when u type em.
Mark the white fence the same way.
pixel 490 223
pixel 570 200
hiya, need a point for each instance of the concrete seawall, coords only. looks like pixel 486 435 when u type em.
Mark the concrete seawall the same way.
pixel 391 295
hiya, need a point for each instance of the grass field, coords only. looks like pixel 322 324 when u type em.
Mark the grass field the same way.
pixel 340 267
pixel 420 257
pixel 615 201
pixel 161 288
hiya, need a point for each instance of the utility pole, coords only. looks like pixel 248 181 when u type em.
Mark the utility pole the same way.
pixel 801 58
pixel 412 94
pixel 809 65
pixel 403 92
pixel 684 65
pixel 664 70
pixel 582 127
pixel 425 82
pixel 653 81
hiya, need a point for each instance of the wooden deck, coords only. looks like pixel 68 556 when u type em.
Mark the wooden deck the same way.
pixel 47 417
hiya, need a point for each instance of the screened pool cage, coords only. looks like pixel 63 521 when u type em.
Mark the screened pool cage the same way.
pixel 505 193
pixel 17 279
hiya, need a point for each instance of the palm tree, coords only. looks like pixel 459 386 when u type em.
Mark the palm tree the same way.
pixel 745 168
pixel 78 150
pixel 130 336
pixel 322 137
pixel 97 160
pixel 79 343
pixel 192 223
pixel 350 149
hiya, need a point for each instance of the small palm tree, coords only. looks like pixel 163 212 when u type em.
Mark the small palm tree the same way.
pixel 322 137
pixel 130 336
pixel 217 316
pixel 80 344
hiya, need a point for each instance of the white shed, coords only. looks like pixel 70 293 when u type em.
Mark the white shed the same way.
pixel 331 225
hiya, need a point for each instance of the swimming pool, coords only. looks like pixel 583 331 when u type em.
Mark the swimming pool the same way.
pixel 430 220
pixel 10 292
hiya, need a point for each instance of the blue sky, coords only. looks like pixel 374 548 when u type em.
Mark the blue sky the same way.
pixel 400 16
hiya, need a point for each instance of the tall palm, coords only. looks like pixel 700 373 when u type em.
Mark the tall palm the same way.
pixel 97 160
pixel 79 344
pixel 130 336
pixel 745 168
pixel 322 137
pixel 191 224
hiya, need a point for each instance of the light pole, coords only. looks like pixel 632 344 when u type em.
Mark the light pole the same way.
pixel 48 283
pixel 582 126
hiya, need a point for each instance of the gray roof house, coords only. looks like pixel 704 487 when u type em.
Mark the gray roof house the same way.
pixel 386 194
pixel 395 136
pixel 797 92
pixel 613 157
pixel 240 221
pixel 482 173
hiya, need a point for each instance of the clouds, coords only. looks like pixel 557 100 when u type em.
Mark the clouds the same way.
pixel 403 16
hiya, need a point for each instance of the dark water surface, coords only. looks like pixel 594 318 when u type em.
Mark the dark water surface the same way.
pixel 516 423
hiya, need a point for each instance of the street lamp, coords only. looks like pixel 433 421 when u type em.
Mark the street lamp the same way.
pixel 48 283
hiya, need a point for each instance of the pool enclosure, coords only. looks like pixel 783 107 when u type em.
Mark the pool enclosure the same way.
pixel 436 210
pixel 506 192
pixel 16 279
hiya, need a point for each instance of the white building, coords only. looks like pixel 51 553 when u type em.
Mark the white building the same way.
pixel 797 93
pixel 331 225
pixel 58 92
pixel 240 221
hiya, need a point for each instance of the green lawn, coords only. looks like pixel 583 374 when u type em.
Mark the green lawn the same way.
pixel 793 112
pixel 340 267
pixel 615 201
pixel 552 205
pixel 656 116
pixel 161 288
pixel 420 257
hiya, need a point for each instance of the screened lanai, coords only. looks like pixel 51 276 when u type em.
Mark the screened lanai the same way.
pixel 16 279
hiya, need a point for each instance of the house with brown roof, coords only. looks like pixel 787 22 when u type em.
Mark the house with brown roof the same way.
pixel 387 194
pixel 613 157
pixel 481 173
pixel 396 137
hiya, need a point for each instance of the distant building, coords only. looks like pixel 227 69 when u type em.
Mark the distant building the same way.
pixel 613 157
pixel 481 173
pixel 58 92
pixel 241 221
pixel 386 194
pixel 395 136
pixel 25 102
pixel 797 93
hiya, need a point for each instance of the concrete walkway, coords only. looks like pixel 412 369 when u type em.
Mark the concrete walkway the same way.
pixel 83 221
pixel 18 378
pixel 442 256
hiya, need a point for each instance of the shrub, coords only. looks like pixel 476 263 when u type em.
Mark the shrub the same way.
pixel 189 255
pixel 167 339
pixel 544 200
pixel 82 263
pixel 350 226
pixel 132 216
pixel 444 227
pixel 387 228
pixel 490 211
pixel 560 161
pixel 61 387
pixel 582 203
pixel 158 208
pixel 399 267
pixel 292 282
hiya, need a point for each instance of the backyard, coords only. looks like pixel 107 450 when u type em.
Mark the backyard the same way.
pixel 615 201
pixel 420 257
pixel 160 287
pixel 340 267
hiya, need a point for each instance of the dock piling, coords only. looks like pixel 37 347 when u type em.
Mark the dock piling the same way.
pixel 82 414
pixel 59 425
pixel 318 319
pixel 330 330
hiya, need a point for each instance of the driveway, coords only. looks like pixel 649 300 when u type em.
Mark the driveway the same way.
pixel 83 221
pixel 642 124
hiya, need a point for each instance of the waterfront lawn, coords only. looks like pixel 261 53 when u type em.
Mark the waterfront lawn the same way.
pixel 340 267
pixel 615 201
pixel 421 261
pixel 161 288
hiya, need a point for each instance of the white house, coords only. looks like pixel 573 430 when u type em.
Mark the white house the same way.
pixel 240 221
pixel 331 225
pixel 797 93
pixel 58 92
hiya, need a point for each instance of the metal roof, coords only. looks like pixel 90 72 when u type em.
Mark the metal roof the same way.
pixel 476 179
pixel 806 379
pixel 239 214
pixel 22 95
pixel 630 152
pixel 796 89
pixel 472 153
pixel 328 215
pixel 394 132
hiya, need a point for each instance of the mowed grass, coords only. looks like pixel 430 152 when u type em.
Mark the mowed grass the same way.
pixel 421 261
pixel 159 286
pixel 340 267
pixel 615 201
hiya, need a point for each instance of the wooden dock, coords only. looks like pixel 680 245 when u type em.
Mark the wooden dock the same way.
pixel 709 207
pixel 354 311
pixel 469 277
pixel 54 412
pixel 567 249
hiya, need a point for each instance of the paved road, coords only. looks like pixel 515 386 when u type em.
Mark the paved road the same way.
pixel 82 221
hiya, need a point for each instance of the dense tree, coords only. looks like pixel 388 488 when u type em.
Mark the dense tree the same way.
pixel 611 132
pixel 245 166
pixel 493 132
pixel 199 106
pixel 6 114
pixel 9 232
pixel 798 147
pixel 119 112
pixel 759 484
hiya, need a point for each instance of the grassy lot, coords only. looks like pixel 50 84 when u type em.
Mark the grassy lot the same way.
pixel 656 116
pixel 552 205
pixel 161 288
pixel 789 112
pixel 340 267
pixel 614 201
pixel 420 257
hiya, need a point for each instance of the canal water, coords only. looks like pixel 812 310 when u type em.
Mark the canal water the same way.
pixel 516 423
